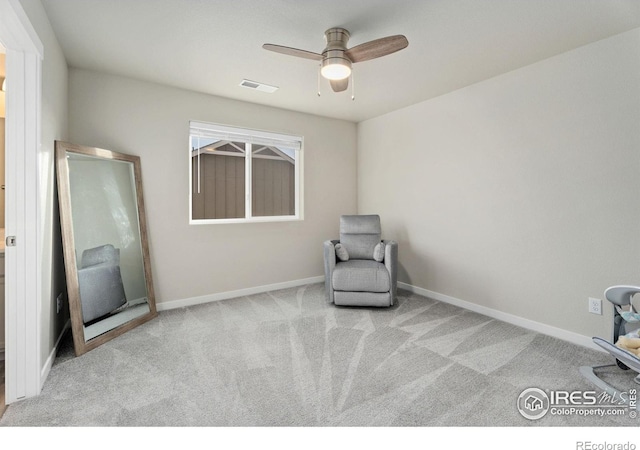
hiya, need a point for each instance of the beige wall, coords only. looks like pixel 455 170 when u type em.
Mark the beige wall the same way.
pixel 152 121
pixel 520 193
pixel 53 126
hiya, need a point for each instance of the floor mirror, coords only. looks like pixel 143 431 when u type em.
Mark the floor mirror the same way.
pixel 105 245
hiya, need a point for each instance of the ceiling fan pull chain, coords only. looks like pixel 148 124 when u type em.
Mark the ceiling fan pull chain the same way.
pixel 319 68
pixel 353 88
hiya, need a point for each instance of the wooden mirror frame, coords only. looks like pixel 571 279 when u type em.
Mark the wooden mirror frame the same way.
pixel 82 346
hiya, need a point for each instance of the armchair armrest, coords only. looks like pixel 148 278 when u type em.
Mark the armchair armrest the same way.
pixel 329 264
pixel 391 263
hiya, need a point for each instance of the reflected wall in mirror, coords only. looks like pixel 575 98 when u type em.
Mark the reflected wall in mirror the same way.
pixel 104 238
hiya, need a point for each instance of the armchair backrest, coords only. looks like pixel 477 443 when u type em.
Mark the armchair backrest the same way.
pixel 360 234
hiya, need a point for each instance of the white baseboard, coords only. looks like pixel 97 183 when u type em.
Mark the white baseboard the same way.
pixel 173 304
pixel 44 373
pixel 569 336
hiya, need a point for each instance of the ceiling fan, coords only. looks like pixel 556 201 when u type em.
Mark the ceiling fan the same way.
pixel 337 58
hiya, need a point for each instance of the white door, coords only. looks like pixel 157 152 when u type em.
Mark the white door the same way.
pixel 22 280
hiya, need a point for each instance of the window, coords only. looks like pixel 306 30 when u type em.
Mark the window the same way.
pixel 240 175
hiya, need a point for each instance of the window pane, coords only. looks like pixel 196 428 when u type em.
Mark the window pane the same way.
pixel 272 181
pixel 218 175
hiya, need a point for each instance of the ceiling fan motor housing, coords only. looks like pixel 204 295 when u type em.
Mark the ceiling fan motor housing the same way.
pixel 333 54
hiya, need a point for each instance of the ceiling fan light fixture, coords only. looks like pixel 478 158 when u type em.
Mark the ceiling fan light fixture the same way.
pixel 336 68
pixel 336 58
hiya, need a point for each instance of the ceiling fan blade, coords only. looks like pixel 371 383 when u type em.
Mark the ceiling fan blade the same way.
pixel 293 52
pixel 377 48
pixel 339 85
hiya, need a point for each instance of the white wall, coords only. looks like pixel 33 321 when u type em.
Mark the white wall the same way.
pixel 520 193
pixel 188 261
pixel 53 127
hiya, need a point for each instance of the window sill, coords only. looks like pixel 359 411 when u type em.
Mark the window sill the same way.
pixel 244 220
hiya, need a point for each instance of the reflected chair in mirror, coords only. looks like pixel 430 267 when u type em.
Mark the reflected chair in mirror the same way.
pixel 100 282
pixel 361 269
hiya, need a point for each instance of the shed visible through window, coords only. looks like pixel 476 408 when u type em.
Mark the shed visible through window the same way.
pixel 229 186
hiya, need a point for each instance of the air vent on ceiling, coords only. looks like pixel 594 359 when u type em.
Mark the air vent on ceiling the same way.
pixel 258 86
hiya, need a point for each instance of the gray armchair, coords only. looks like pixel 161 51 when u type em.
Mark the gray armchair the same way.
pixel 100 282
pixel 361 269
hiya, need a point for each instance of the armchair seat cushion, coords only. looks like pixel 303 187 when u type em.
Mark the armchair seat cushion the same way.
pixel 100 282
pixel 101 290
pixel 360 275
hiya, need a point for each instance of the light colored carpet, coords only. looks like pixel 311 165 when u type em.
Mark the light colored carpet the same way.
pixel 287 358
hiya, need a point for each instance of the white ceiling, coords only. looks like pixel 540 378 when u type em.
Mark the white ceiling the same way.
pixel 211 45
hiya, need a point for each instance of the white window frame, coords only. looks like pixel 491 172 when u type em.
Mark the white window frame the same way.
pixel 249 136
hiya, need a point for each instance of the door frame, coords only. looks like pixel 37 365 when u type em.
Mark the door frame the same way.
pixel 23 293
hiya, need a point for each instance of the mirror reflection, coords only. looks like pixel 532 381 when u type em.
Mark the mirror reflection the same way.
pixel 107 241
pixel 106 254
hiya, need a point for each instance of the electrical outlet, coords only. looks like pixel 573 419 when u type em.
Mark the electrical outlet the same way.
pixel 59 303
pixel 595 305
